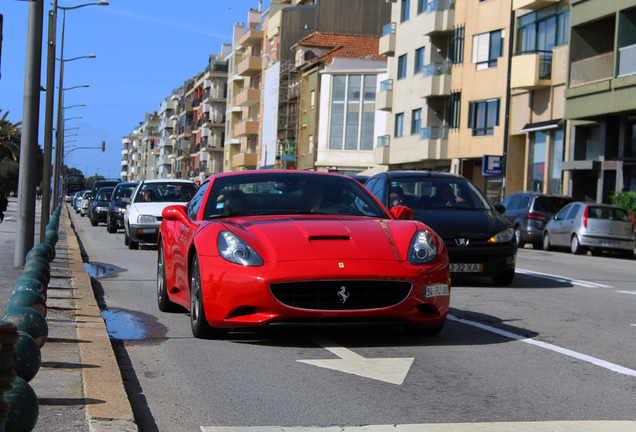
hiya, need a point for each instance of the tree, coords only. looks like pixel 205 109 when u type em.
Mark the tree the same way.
pixel 10 135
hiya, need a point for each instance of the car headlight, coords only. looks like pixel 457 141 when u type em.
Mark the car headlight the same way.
pixel 422 249
pixel 120 210
pixel 146 219
pixel 101 209
pixel 236 250
pixel 503 237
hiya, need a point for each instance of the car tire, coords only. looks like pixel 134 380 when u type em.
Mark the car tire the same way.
pixel 109 227
pixel 132 245
pixel 504 278
pixel 93 222
pixel 126 238
pixel 575 246
pixel 422 330
pixel 546 242
pixel 201 329
pixel 164 304
pixel 520 242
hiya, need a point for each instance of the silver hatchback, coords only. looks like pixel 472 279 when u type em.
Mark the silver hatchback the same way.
pixel 598 227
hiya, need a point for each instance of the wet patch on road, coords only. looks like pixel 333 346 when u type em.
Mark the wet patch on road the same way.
pixel 132 326
pixel 98 271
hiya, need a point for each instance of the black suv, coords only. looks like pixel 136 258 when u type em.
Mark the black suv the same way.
pixel 528 212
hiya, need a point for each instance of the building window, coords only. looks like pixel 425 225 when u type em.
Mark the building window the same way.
pixel 404 12
pixel 312 99
pixel 401 72
pixel 483 116
pixel 399 125
pixel 458 45
pixel 352 112
pixel 556 159
pixel 543 30
pixel 419 60
pixel 537 160
pixel 487 48
pixel 455 109
pixel 421 6
pixel 416 121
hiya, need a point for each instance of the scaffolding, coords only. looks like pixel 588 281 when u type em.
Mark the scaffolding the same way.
pixel 287 136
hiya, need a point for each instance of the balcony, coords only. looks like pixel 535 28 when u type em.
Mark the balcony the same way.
pixel 627 61
pixel 435 80
pixel 592 69
pixel 184 131
pixel 382 150
pixel 248 97
pixel 532 4
pixel 252 37
pixel 433 143
pixel 245 160
pixel 387 41
pixel 183 154
pixel 438 19
pixel 246 128
pixel 531 70
pixel 384 101
pixel 250 66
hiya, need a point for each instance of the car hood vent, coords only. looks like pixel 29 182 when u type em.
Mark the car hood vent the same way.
pixel 329 237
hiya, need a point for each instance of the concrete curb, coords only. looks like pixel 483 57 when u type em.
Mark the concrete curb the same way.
pixel 103 382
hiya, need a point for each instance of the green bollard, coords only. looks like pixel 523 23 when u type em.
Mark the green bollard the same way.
pixel 23 405
pixel 28 357
pixel 30 285
pixel 29 321
pixel 35 266
pixel 32 274
pixel 26 298
pixel 43 250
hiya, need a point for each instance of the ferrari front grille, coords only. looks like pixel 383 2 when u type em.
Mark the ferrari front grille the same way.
pixel 341 295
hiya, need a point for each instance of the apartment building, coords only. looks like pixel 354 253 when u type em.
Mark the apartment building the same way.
pixel 416 95
pixel 165 144
pixel 338 78
pixel 600 99
pixel 538 128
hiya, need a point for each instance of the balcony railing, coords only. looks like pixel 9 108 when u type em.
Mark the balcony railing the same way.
pixel 438 6
pixel 386 85
pixel 434 132
pixel 437 69
pixel 388 29
pixel 627 60
pixel 384 141
pixel 592 69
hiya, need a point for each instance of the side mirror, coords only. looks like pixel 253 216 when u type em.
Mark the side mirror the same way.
pixel 402 213
pixel 176 213
pixel 501 209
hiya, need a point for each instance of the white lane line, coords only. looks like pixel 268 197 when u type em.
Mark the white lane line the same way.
pixel 564 279
pixel 627 292
pixel 593 360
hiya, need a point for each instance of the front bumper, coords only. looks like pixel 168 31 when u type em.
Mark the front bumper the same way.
pixel 237 296
pixel 492 259
pixel 146 233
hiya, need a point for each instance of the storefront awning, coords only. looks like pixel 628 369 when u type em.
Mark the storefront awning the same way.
pixel 539 126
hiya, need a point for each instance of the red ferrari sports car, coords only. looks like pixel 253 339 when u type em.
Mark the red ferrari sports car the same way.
pixel 258 247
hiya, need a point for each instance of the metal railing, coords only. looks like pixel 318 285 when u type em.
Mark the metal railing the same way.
pixel 384 141
pixel 433 132
pixel 437 69
pixel 592 69
pixel 388 29
pixel 437 6
pixel 627 60
pixel 386 85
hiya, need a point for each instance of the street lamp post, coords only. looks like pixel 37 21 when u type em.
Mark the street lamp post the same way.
pixel 59 144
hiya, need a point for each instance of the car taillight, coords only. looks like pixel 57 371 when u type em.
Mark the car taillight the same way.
pixel 631 219
pixel 585 217
pixel 533 215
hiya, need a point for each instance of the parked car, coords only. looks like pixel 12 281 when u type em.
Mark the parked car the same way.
pixel 258 247
pixel 98 207
pixel 143 211
pixel 528 212
pixel 78 202
pixel 479 239
pixel 598 227
pixel 116 208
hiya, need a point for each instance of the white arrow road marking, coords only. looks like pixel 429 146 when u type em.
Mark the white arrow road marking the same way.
pixel 586 358
pixel 390 370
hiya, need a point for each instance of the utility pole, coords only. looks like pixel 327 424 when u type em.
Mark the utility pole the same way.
pixel 25 229
pixel 48 123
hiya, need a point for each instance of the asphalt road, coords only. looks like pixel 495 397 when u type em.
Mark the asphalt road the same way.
pixel 557 345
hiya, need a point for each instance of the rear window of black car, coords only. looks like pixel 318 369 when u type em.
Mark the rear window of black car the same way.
pixel 550 204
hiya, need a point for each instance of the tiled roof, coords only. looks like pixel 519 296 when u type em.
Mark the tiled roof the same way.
pixel 343 46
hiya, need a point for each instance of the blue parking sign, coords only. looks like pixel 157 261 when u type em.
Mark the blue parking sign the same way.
pixel 491 165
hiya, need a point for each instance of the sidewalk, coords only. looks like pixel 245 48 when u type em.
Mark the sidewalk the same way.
pixel 79 385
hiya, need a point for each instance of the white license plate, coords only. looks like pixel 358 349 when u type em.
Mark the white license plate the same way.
pixel 466 268
pixel 610 244
pixel 148 231
pixel 436 290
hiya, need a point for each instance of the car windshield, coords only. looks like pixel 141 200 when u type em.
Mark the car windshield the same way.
pixel 290 193
pixel 125 191
pixel 432 193
pixel 104 194
pixel 165 192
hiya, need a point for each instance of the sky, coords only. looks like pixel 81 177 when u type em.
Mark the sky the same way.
pixel 143 50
